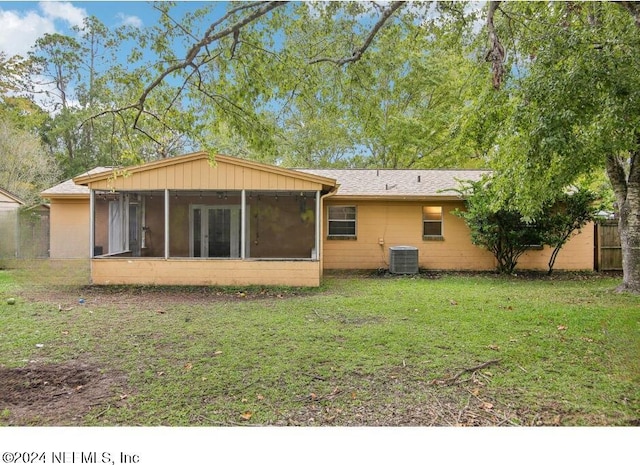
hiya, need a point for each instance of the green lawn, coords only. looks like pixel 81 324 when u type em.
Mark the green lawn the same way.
pixel 358 351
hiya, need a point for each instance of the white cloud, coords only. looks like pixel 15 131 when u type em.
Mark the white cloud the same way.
pixel 21 29
pixel 64 11
pixel 19 32
pixel 128 20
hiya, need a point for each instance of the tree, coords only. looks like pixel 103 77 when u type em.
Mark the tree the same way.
pixel 234 65
pixel 502 231
pixel 575 94
pixel 507 233
pixel 274 76
pixel 81 77
pixel 560 220
pixel 14 72
pixel 26 168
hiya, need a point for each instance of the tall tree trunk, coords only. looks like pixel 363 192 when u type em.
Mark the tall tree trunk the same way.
pixel 627 191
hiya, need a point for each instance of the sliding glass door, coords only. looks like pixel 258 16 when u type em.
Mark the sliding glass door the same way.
pixel 215 231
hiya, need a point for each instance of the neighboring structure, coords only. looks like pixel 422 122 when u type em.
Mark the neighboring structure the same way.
pixel 24 232
pixel 185 220
pixel 9 224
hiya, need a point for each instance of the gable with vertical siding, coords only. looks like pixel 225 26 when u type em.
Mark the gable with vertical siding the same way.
pixel 196 171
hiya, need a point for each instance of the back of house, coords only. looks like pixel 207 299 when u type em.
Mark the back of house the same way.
pixel 191 220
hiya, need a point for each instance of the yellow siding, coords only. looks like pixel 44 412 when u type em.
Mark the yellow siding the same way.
pixel 577 254
pixel 69 228
pixel 396 223
pixel 199 174
pixel 383 224
pixel 205 272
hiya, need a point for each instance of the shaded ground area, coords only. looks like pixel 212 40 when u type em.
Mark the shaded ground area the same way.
pixel 151 297
pixel 55 394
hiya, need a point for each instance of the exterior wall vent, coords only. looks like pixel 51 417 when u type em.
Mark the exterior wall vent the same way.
pixel 403 259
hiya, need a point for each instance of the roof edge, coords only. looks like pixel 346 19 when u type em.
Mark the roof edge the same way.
pixel 59 195
pixel 397 198
pixel 12 196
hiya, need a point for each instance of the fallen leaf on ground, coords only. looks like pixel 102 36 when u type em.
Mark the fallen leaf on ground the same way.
pixel 486 406
pixel 493 347
pixel 562 327
pixel 246 416
pixel 188 366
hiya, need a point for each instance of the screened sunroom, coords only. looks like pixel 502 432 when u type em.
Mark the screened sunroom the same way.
pixel 206 224
pixel 188 221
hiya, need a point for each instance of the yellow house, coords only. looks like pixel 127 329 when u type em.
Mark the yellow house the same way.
pixel 185 220
pixel 391 208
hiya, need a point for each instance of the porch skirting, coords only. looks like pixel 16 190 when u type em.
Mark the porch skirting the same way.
pixel 205 272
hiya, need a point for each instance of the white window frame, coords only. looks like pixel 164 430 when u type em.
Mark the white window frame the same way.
pixel 440 221
pixel 341 220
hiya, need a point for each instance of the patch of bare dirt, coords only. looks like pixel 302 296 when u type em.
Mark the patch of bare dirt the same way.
pixel 144 297
pixel 55 394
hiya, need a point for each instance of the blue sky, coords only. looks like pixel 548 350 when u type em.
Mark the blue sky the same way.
pixel 22 23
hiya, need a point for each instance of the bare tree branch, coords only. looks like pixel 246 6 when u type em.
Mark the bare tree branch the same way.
pixel 209 37
pixel 357 53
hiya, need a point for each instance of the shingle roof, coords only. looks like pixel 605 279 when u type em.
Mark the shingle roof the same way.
pixel 397 183
pixel 70 188
pixel 352 182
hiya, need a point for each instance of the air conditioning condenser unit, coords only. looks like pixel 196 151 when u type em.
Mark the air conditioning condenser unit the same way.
pixel 403 259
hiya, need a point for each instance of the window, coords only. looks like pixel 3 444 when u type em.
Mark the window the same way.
pixel 342 222
pixel 431 222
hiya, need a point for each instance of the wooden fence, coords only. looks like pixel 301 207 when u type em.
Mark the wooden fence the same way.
pixel 608 249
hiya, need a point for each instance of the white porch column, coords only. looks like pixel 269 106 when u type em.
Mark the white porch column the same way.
pixel 166 224
pixel 92 222
pixel 318 225
pixel 243 224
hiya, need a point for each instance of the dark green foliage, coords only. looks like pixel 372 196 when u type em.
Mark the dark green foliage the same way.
pixel 566 215
pixel 507 234
pixel 498 229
